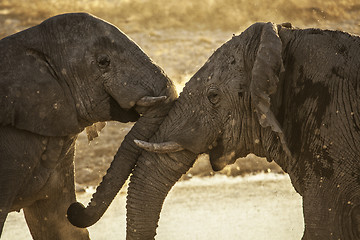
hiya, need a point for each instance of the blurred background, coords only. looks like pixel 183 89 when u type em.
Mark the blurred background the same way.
pixel 180 36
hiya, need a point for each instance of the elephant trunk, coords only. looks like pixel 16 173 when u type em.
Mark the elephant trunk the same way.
pixel 119 170
pixel 152 179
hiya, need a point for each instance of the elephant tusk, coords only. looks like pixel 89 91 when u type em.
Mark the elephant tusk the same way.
pixel 165 147
pixel 148 101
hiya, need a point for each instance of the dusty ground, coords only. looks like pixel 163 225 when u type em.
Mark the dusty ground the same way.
pixel 220 207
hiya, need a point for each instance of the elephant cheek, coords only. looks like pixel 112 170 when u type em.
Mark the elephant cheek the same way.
pixel 219 159
pixel 216 165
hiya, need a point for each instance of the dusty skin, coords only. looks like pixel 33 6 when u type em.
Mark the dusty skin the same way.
pixel 180 37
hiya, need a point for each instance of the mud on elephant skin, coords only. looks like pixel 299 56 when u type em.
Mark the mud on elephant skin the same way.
pixel 57 78
pixel 288 94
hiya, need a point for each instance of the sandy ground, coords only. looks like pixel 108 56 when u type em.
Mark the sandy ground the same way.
pixel 262 206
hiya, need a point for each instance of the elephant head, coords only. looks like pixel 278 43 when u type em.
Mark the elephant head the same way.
pixel 267 91
pixel 83 70
pixel 76 70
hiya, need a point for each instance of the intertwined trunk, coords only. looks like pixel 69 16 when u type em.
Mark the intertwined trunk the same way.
pixel 119 170
pixel 152 179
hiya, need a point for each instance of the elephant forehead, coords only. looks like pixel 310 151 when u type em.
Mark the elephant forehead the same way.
pixel 225 61
pixel 221 75
pixel 81 29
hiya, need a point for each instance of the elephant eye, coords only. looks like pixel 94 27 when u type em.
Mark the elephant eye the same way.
pixel 213 96
pixel 103 60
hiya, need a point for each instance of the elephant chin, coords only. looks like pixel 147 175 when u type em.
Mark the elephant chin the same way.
pixel 219 158
pixel 119 114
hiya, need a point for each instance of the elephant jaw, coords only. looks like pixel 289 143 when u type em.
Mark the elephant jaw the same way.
pixel 141 105
pixel 127 98
pixel 219 157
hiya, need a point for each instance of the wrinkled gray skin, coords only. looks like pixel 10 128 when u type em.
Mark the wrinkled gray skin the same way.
pixel 290 95
pixel 56 79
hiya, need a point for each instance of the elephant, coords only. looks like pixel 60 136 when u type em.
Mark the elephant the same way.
pixel 284 93
pixel 58 78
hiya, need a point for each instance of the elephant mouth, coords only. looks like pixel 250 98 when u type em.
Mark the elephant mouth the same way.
pixel 133 111
pixel 118 113
pixel 140 101
pixel 146 102
pixel 219 157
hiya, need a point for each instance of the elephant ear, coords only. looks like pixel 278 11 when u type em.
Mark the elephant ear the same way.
pixel 265 78
pixel 94 130
pixel 32 97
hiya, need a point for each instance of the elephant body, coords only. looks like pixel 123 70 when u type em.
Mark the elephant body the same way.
pixel 288 94
pixel 323 113
pixel 57 78
pixel 42 190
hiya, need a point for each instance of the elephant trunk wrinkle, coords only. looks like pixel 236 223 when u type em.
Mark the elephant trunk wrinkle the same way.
pixel 124 162
pixel 152 179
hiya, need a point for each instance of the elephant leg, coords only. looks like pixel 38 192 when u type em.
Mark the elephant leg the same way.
pixel 16 164
pixel 46 218
pixel 4 209
pixel 8 192
pixel 7 196
pixel 3 216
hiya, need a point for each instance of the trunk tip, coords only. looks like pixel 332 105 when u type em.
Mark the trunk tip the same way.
pixel 77 216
